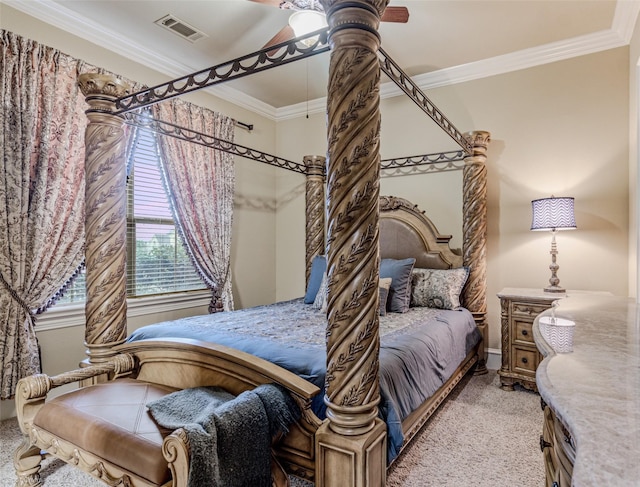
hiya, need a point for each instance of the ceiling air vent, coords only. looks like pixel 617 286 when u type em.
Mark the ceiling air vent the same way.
pixel 181 28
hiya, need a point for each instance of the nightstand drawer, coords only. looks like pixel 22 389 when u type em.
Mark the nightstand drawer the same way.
pixel 523 332
pixel 528 310
pixel 525 360
pixel 520 357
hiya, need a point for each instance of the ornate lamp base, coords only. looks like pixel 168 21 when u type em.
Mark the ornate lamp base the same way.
pixel 554 289
pixel 554 282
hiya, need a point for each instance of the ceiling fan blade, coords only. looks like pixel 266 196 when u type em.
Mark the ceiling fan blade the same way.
pixel 391 13
pixel 285 34
pixel 273 3
pixel 395 14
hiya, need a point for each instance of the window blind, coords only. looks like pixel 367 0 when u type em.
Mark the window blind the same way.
pixel 157 262
pixel 156 258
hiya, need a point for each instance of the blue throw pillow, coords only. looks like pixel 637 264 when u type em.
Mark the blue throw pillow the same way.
pixel 318 268
pixel 400 291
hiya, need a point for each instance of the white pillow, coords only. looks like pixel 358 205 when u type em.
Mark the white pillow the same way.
pixel 320 302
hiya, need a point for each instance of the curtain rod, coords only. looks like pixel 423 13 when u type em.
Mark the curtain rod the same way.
pixel 247 126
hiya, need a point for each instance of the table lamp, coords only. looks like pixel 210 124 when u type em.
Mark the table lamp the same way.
pixel 553 214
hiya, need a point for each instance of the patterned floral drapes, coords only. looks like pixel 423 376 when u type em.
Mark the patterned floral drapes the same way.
pixel 201 183
pixel 41 193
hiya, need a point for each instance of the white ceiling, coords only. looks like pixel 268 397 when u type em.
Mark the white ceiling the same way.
pixel 444 41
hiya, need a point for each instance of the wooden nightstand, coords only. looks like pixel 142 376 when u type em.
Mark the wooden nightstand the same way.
pixel 520 357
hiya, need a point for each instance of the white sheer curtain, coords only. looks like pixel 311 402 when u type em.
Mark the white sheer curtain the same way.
pixel 200 184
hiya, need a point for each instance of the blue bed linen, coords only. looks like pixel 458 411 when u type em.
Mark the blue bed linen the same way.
pixel 413 366
pixel 306 362
pixel 419 350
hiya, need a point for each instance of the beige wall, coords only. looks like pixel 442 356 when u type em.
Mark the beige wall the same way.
pixel 557 129
pixel 294 139
pixel 634 161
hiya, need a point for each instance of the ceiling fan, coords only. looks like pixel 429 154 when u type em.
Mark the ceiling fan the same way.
pixel 391 14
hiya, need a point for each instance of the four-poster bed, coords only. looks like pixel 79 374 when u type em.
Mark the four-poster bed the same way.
pixel 349 447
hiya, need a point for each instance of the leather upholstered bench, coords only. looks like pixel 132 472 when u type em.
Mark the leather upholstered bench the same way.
pixel 104 427
pixel 111 422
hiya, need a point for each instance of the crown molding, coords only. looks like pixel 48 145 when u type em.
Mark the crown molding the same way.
pixel 623 24
pixel 63 18
pixel 516 61
pixel 624 18
pixel 303 109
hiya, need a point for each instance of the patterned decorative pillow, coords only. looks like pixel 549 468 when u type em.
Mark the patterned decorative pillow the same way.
pixel 320 302
pixel 318 268
pixel 438 288
pixel 383 289
pixel 399 270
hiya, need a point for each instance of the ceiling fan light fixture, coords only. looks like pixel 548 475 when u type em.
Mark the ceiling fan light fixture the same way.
pixel 304 21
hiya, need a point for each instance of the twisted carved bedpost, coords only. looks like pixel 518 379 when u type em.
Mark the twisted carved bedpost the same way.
pixel 351 443
pixel 314 200
pixel 474 229
pixel 105 217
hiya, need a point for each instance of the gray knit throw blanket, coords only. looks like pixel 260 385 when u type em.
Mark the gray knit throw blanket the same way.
pixel 229 437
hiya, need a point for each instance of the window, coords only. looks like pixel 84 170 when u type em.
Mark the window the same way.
pixel 157 262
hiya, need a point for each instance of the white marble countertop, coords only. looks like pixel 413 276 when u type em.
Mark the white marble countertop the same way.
pixel 595 389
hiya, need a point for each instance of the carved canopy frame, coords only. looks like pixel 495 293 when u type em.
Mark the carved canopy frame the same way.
pixel 350 443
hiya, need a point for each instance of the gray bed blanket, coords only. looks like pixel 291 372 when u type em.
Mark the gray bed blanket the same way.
pixel 229 437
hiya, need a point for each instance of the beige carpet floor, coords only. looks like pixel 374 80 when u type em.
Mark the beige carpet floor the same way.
pixel 481 437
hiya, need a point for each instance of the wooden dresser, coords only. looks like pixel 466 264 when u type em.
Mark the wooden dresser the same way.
pixel 558 449
pixel 591 395
pixel 520 357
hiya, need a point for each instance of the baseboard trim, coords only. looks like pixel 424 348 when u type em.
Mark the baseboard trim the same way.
pixel 494 358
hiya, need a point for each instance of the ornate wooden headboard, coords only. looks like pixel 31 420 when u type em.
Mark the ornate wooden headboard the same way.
pixel 405 231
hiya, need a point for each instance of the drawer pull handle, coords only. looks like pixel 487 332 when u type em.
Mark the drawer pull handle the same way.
pixel 525 332
pixel 525 360
pixel 543 444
